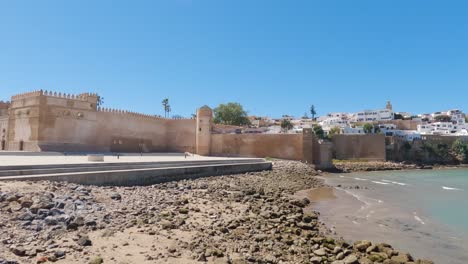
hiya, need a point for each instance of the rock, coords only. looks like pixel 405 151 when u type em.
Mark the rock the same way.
pixel 165 224
pixel 365 260
pixel 84 241
pixel 97 260
pixel 372 248
pixel 28 216
pixel 423 261
pixel 340 256
pixel 201 257
pixel 362 245
pixel 18 251
pixel 59 254
pixel 377 257
pixel 351 259
pixel 183 211
pixel 316 260
pixel 320 252
pixel 402 258
pixel 41 259
pixel 116 196
pixel 51 220
pixel 25 202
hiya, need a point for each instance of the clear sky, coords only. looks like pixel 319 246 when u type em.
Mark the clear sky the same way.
pixel 273 56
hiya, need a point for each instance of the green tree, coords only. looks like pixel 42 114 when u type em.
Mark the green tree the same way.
pixel 166 106
pixel 368 128
pixel 318 131
pixel 443 118
pixel 286 125
pixel 231 114
pixel 460 150
pixel 312 111
pixel 398 116
pixel 466 118
pixel 334 131
pixel 305 116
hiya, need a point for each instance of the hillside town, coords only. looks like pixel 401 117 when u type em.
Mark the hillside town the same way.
pixel 377 121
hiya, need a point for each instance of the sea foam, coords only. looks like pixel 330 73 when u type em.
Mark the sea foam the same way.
pixel 359 179
pixel 385 183
pixel 451 189
pixel 395 182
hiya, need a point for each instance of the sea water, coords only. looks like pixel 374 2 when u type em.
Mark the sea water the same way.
pixel 424 212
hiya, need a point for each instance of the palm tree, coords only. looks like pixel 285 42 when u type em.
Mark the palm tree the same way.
pixel 312 111
pixel 167 107
pixel 100 101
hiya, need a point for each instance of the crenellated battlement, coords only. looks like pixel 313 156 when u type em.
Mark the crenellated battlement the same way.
pixel 133 114
pixel 4 105
pixel 27 95
pixel 80 97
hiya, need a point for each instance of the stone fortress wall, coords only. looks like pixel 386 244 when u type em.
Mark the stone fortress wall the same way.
pixel 46 121
pixel 4 106
pixel 51 121
pixel 355 147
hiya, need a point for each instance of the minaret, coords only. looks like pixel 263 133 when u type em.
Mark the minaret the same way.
pixel 389 106
pixel 204 121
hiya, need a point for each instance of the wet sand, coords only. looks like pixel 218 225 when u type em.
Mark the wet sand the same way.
pixel 318 194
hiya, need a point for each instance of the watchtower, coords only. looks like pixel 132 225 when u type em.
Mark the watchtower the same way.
pixel 203 134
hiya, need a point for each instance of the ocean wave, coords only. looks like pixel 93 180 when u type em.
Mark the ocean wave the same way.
pixel 416 217
pixel 395 182
pixel 451 189
pixel 384 183
pixel 359 179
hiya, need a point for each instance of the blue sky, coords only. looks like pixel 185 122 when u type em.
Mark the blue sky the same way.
pixel 273 56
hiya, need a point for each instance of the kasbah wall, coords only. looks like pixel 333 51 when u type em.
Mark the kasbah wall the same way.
pixel 365 147
pixel 46 121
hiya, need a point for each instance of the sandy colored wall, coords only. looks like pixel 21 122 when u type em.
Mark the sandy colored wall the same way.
pixel 366 147
pixel 3 132
pixel 181 135
pixel 75 125
pixel 403 124
pixel 285 146
pixel 23 124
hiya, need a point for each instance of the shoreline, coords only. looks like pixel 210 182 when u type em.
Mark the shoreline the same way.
pixel 363 194
pixel 247 218
pixel 371 166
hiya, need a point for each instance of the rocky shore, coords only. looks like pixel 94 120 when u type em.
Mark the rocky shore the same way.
pixel 249 218
pixel 356 166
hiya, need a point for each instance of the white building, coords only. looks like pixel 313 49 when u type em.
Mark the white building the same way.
pixel 353 130
pixel 373 115
pixel 440 128
pixel 387 129
pixel 408 135
pixel 457 116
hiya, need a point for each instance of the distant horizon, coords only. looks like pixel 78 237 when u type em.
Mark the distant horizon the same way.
pixel 274 58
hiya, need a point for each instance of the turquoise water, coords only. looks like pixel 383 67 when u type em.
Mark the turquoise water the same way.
pixel 420 211
pixel 442 194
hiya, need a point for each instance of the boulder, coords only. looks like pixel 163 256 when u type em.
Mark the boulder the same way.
pixel 351 259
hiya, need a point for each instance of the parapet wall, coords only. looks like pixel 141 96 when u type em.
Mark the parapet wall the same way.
pixel 283 146
pixel 365 147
